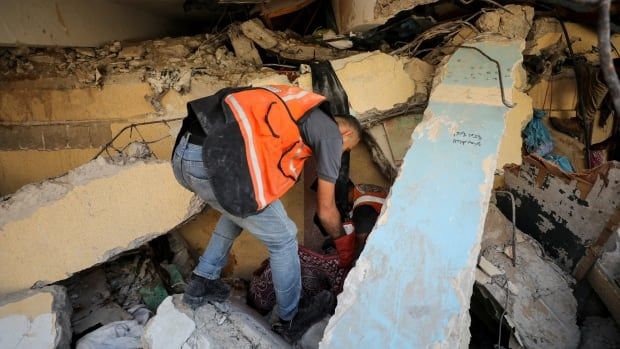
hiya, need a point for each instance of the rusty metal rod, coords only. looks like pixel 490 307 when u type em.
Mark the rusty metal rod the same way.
pixel 514 224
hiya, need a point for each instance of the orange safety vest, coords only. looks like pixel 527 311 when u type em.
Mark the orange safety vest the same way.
pixel 370 195
pixel 255 153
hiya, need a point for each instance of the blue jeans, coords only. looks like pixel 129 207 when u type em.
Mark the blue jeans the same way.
pixel 272 227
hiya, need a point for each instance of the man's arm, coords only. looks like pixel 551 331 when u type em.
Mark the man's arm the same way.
pixel 327 210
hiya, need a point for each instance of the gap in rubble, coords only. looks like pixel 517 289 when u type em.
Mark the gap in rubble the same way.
pixel 129 287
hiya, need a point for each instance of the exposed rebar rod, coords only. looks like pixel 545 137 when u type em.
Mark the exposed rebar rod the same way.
pixel 514 224
pixel 130 127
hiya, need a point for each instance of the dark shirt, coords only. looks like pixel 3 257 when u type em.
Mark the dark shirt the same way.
pixel 320 132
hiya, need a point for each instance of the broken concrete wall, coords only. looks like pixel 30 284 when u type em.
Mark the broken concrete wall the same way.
pixel 536 294
pixel 71 101
pixel 565 213
pixel 364 74
pixel 35 319
pixel 53 229
pixel 413 282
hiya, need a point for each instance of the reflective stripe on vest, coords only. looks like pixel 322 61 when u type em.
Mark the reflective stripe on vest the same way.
pixel 369 199
pixel 242 119
pixel 275 151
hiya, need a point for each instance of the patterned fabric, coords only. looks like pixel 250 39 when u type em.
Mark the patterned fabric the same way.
pixel 318 272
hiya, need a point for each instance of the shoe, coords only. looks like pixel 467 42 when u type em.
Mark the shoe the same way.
pixel 201 290
pixel 310 312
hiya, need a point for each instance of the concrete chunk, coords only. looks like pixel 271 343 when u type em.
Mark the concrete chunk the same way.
pixel 35 319
pixel 412 284
pixel 50 230
pixel 215 326
pixel 541 319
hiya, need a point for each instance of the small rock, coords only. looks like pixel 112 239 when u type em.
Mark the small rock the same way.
pixel 193 43
pixel 131 52
pixel 220 53
pixel 85 51
pixel 115 47
pixel 183 85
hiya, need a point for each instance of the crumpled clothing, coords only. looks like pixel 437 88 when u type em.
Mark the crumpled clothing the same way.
pixel 318 272
pixel 538 141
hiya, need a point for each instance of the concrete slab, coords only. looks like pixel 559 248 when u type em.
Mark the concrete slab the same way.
pixel 50 230
pixel 413 282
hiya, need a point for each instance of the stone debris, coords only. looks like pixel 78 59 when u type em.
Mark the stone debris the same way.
pixel 287 47
pixel 540 305
pixel 220 325
pixel 105 219
pixel 244 47
pixel 514 21
pixel 35 319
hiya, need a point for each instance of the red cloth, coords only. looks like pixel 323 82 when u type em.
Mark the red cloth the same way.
pixel 318 272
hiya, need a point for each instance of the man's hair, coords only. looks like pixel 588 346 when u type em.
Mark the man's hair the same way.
pixel 351 122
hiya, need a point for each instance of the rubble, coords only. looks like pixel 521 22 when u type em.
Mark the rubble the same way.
pixel 100 209
pixel 219 325
pixel 512 21
pixel 35 319
pixel 352 16
pixel 286 47
pixel 244 47
pixel 540 306
pixel 460 134
pixel 547 37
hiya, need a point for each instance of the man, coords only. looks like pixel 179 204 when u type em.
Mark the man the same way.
pixel 240 150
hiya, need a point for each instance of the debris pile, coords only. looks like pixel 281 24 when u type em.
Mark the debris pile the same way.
pixel 219 325
pixel 534 297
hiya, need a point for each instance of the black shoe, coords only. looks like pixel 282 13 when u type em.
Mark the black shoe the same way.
pixel 200 290
pixel 309 313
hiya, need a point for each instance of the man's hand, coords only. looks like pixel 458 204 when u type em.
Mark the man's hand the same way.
pixel 327 210
pixel 345 246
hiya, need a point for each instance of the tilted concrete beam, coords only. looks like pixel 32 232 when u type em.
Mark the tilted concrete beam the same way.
pixel 50 230
pixel 412 285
